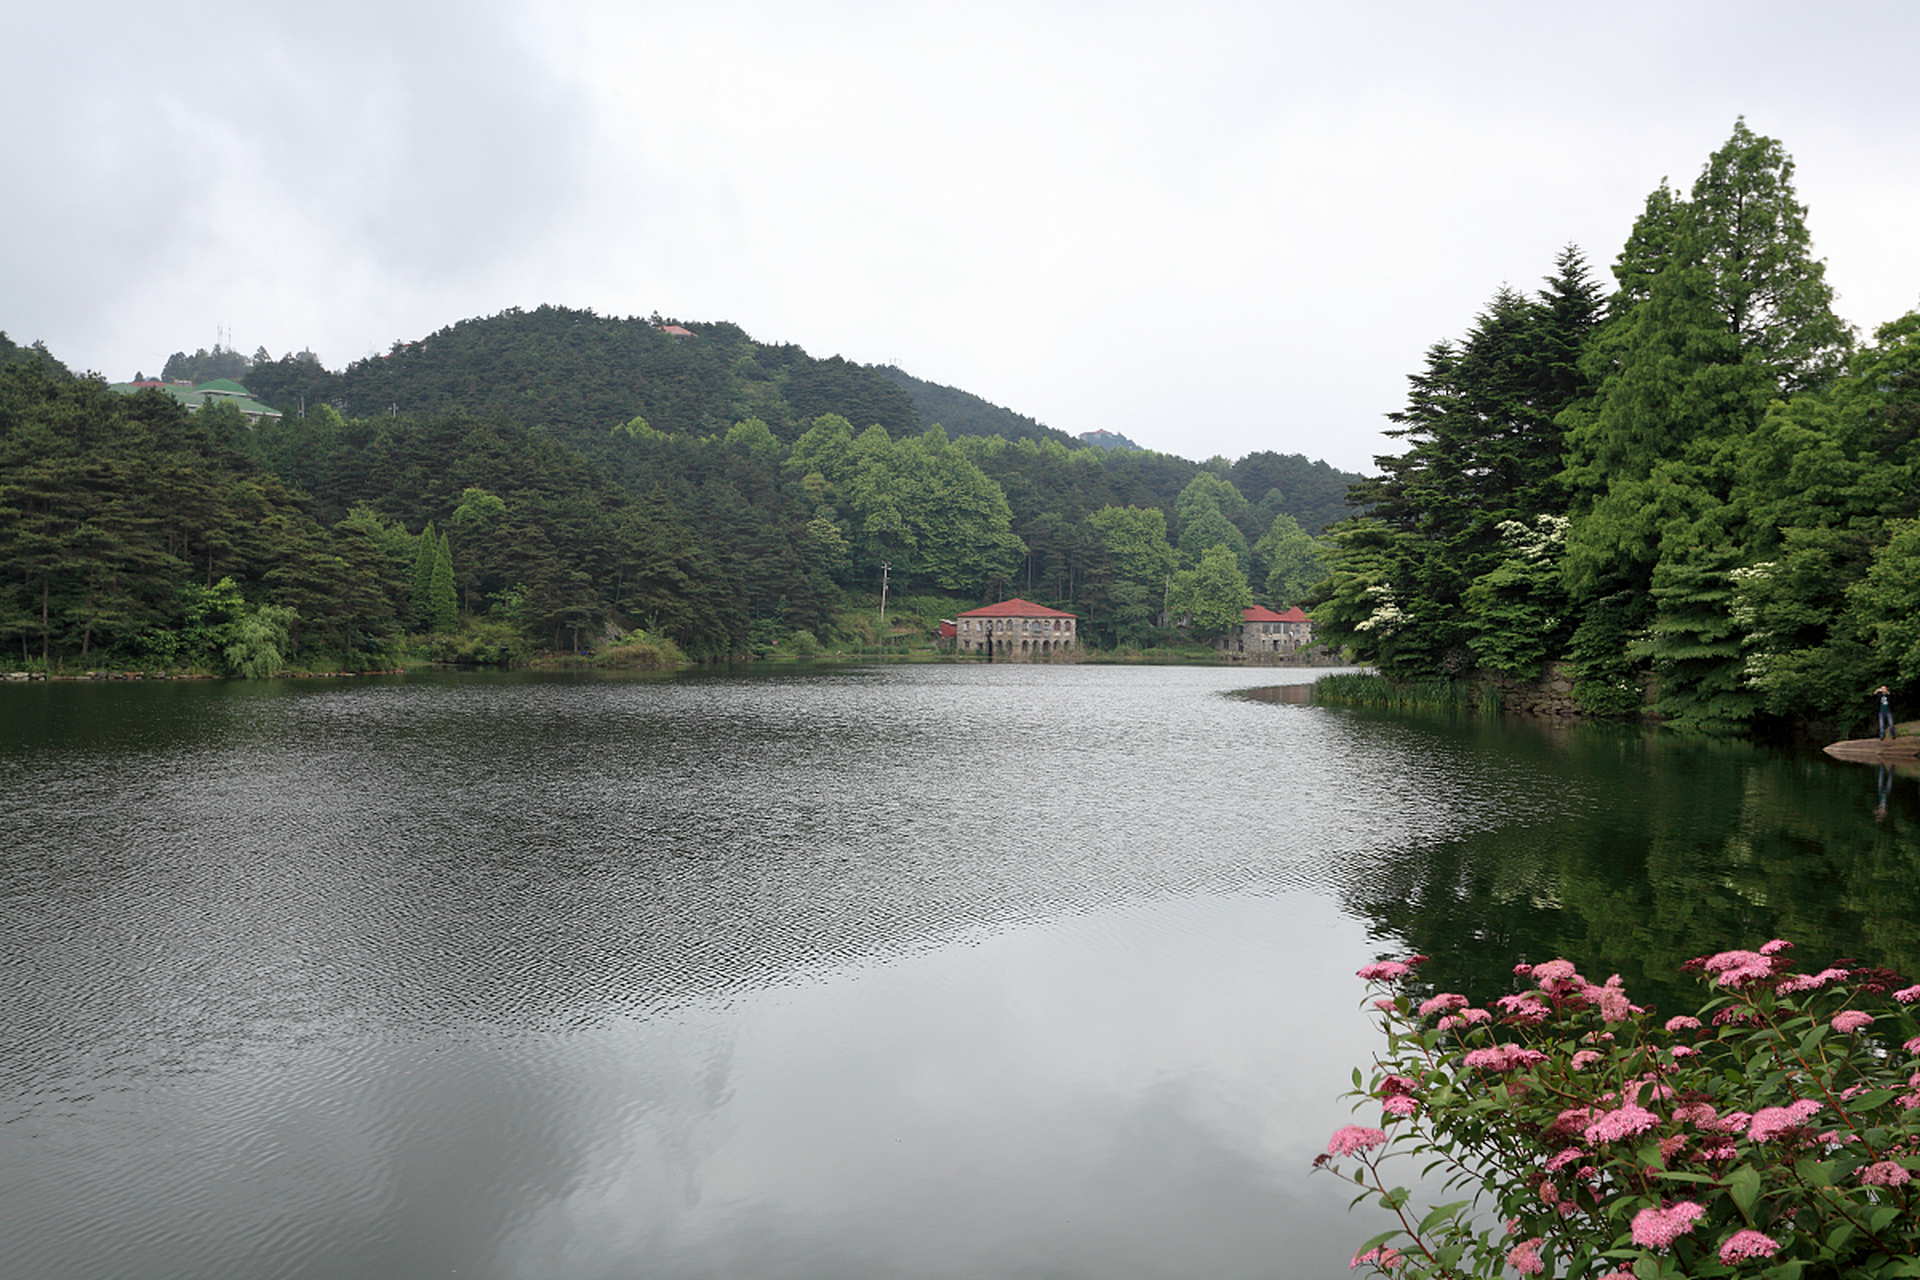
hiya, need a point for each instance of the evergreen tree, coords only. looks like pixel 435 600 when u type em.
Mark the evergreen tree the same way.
pixel 421 597
pixel 1734 315
pixel 443 602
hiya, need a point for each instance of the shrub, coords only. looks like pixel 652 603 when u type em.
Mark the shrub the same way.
pixel 1775 1134
pixel 641 650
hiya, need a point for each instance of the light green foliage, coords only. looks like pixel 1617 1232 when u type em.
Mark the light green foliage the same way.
pixel 478 508
pixel 919 504
pixel 1722 312
pixel 755 439
pixel 1884 603
pixel 1138 565
pixel 1136 538
pixel 826 547
pixel 636 428
pixel 259 640
pixel 1209 511
pixel 1826 481
pixel 1211 595
pixel 1517 611
pixel 1289 561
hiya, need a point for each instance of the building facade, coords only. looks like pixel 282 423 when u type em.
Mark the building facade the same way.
pixel 1261 630
pixel 1016 631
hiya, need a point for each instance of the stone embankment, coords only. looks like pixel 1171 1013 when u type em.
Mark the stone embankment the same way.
pixel 1550 695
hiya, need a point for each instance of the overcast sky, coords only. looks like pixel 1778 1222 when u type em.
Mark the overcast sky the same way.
pixel 1214 228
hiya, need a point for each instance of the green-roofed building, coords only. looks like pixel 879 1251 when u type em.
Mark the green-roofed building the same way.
pixel 206 392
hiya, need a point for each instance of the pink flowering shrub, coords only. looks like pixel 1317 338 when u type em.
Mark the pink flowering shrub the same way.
pixel 1776 1134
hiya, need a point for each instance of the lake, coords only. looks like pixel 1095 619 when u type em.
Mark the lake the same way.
pixel 853 972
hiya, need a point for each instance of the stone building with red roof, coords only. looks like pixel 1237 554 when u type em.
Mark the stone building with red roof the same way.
pixel 1261 630
pixel 1016 631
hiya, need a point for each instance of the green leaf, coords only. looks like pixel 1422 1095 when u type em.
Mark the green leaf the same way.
pixel 1743 1184
pixel 1441 1212
pixel 1376 1241
pixel 1815 1173
pixel 1883 1217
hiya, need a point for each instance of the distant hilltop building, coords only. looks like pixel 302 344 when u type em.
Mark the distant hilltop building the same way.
pixel 1016 631
pixel 1107 440
pixel 204 393
pixel 675 330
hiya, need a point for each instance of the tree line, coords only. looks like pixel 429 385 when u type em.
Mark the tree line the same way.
pixel 545 479
pixel 1696 492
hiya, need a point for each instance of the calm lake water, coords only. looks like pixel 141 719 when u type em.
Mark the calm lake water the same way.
pixel 915 972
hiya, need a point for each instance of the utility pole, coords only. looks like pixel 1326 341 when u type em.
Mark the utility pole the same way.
pixel 885 566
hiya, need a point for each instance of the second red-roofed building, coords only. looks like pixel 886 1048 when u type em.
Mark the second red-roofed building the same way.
pixel 1016 631
pixel 1261 630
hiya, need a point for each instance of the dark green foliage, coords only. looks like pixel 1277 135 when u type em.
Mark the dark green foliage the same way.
pixel 443 606
pixel 119 514
pixel 578 374
pixel 965 414
pixel 12 353
pixel 1483 422
pixel 1312 493
pixel 204 365
pixel 1731 482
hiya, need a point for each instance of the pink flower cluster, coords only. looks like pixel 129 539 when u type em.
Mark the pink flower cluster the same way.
pixel 1770 1122
pixel 1525 1257
pixel 1850 1020
pixel 1748 1244
pixel 1622 1122
pixel 1658 1228
pixel 1740 968
pixel 1385 971
pixel 1383 1256
pixel 1885 1173
pixel 1503 1057
pixel 1350 1138
pixel 1810 981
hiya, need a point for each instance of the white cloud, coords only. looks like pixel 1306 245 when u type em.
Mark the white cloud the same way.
pixel 1216 229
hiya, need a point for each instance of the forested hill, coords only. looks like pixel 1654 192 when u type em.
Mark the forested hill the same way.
pixel 964 414
pixel 550 478
pixel 580 375
pixel 574 371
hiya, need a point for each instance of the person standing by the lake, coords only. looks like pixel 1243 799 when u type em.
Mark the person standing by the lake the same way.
pixel 1886 711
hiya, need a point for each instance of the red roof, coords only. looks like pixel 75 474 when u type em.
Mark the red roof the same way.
pixel 1016 608
pixel 1260 613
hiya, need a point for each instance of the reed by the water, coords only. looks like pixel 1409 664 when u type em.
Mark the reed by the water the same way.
pixel 1366 689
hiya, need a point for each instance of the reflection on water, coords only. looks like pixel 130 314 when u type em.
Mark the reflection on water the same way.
pixel 929 971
